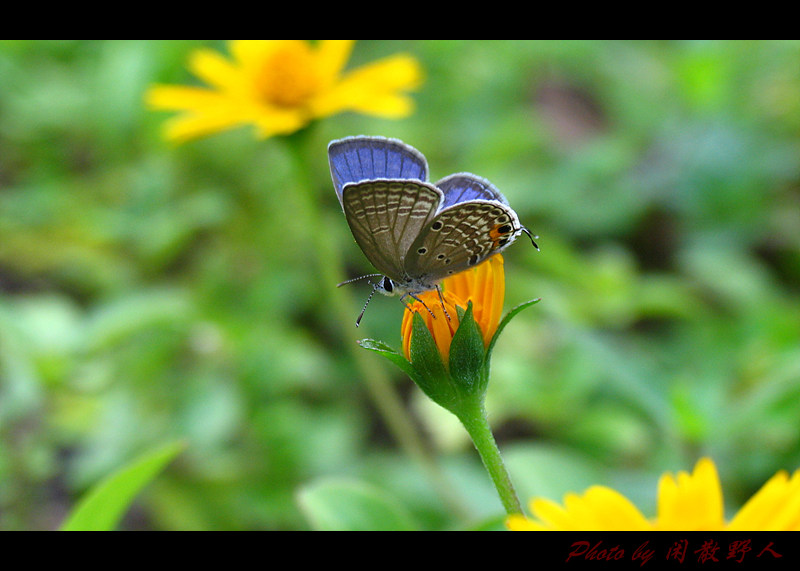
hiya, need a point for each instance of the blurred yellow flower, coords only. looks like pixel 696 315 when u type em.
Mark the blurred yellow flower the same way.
pixel 484 286
pixel 688 502
pixel 280 86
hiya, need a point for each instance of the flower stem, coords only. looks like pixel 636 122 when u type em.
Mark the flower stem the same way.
pixel 473 417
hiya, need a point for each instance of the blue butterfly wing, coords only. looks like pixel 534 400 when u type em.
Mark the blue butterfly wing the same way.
pixel 356 159
pixel 462 187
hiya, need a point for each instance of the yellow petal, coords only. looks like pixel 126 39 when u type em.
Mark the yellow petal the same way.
pixel 374 89
pixel 187 127
pixel 249 54
pixel 177 98
pixel 332 57
pixel 614 511
pixel 442 327
pixel 604 509
pixel 224 115
pixel 688 502
pixel 521 523
pixel 484 285
pixel 599 509
pixel 775 507
pixel 215 70
pixel 552 516
pixel 493 294
pixel 693 502
pixel 406 328
pixel 271 121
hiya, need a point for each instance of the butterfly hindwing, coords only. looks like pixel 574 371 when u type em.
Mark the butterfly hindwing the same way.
pixel 462 187
pixel 386 216
pixel 461 237
pixel 356 159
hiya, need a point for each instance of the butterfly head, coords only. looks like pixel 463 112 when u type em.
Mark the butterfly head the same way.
pixel 410 287
pixel 386 286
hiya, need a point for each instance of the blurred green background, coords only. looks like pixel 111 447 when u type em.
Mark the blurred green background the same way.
pixel 152 293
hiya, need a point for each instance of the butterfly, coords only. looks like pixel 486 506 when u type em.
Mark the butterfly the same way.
pixel 412 231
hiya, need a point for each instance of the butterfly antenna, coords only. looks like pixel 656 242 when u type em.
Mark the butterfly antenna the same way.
pixel 532 237
pixel 363 311
pixel 358 279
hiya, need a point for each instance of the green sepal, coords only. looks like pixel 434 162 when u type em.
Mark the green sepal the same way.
pixel 430 373
pixel 427 370
pixel 394 356
pixel 468 357
pixel 506 320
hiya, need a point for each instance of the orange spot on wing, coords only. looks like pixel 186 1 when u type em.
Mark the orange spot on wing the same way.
pixel 497 236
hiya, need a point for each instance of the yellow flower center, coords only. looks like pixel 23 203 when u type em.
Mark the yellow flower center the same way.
pixel 288 77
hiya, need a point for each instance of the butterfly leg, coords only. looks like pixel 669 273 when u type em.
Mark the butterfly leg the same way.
pixel 441 299
pixel 411 295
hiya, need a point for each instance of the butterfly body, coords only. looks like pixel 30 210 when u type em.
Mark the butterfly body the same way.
pixel 414 232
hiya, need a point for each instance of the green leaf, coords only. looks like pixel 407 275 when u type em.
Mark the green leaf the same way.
pixel 506 320
pixel 467 355
pixel 388 352
pixel 345 505
pixel 105 505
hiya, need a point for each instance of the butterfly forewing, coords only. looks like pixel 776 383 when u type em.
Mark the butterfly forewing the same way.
pixel 386 216
pixel 461 237
pixel 356 159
